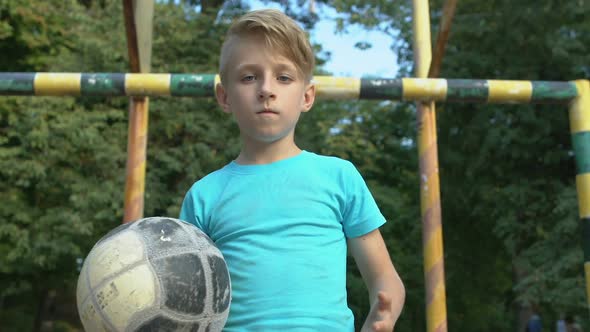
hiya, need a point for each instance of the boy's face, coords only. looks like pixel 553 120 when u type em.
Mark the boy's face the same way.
pixel 264 91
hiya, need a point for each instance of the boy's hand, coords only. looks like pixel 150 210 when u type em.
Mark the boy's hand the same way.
pixel 380 318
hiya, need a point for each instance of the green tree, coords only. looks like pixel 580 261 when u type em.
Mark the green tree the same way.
pixel 64 158
pixel 520 156
pixel 61 160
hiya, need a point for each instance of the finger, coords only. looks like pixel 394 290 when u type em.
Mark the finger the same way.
pixel 384 301
pixel 377 326
pixel 381 326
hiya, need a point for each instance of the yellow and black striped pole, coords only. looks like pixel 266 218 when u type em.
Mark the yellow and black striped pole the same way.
pixel 328 87
pixel 432 237
pixel 580 131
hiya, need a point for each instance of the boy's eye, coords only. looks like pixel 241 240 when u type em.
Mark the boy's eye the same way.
pixel 248 78
pixel 284 78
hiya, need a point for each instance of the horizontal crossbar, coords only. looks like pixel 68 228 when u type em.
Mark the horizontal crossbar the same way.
pixel 328 87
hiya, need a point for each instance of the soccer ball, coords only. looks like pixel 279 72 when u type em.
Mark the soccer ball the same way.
pixel 154 274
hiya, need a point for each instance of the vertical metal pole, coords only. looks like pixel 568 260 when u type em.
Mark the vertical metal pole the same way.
pixel 443 37
pixel 580 131
pixel 138 25
pixel 136 159
pixel 432 237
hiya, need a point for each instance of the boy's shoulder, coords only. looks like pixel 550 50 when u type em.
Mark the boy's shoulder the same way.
pixel 211 180
pixel 330 162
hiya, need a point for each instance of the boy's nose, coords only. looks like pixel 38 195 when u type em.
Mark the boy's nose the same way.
pixel 265 94
pixel 265 91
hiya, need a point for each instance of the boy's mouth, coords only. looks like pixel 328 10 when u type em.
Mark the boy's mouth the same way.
pixel 267 111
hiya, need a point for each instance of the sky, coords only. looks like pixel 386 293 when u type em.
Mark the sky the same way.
pixel 347 60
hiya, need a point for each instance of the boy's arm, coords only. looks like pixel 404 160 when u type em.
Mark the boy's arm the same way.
pixel 386 290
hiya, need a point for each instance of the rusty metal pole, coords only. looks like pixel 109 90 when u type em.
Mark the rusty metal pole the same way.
pixel 442 37
pixel 138 26
pixel 436 311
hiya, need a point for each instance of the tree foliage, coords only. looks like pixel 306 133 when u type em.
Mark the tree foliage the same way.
pixel 63 159
pixel 507 171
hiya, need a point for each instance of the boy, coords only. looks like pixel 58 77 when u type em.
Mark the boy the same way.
pixel 283 217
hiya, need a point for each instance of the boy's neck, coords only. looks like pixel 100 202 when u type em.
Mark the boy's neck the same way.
pixel 258 154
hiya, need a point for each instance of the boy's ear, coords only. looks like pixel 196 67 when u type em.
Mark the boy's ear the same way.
pixel 221 95
pixel 308 97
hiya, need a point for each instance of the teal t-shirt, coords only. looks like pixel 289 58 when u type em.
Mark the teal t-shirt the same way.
pixel 282 229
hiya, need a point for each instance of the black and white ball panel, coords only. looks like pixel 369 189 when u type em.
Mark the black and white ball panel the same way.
pixel 156 274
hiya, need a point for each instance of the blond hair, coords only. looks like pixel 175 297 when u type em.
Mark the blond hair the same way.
pixel 281 34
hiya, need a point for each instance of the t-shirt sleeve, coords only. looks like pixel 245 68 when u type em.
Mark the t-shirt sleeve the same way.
pixel 361 213
pixel 191 211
